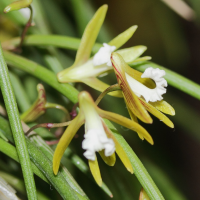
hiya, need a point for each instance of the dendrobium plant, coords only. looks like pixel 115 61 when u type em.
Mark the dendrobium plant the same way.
pixel 86 69
pixel 141 93
pixel 98 137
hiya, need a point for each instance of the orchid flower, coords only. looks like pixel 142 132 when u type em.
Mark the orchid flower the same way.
pixel 98 137
pixel 138 89
pixel 39 106
pixel 86 69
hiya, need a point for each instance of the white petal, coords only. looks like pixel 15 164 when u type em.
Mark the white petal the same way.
pixel 89 155
pixel 103 55
pixel 96 140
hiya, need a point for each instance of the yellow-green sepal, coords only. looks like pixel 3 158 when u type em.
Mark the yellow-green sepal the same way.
pixel 126 123
pixel 119 150
pixel 123 37
pixel 134 118
pixel 132 53
pixel 157 113
pixel 89 36
pixel 65 140
pixel 164 107
pixel 94 168
pixel 109 160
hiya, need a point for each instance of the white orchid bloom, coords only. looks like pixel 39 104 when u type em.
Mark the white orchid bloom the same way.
pixel 98 136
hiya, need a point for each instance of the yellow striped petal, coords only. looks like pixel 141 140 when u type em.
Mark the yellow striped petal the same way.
pixel 164 107
pixel 157 113
pixel 134 118
pixel 132 100
pixel 126 123
pixel 94 168
pixel 123 37
pixel 65 140
pixel 120 151
pixel 109 160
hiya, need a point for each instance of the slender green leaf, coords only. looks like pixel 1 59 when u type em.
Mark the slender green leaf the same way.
pixel 48 40
pixel 15 122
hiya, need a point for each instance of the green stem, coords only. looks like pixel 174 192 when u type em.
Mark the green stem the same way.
pixel 15 122
pixel 106 91
pixel 48 40
pixel 43 74
pixel 28 24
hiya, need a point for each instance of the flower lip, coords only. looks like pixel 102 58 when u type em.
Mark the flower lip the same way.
pixel 96 140
pixel 151 95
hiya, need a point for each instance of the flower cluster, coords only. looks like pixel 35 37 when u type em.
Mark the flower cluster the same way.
pixel 142 94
